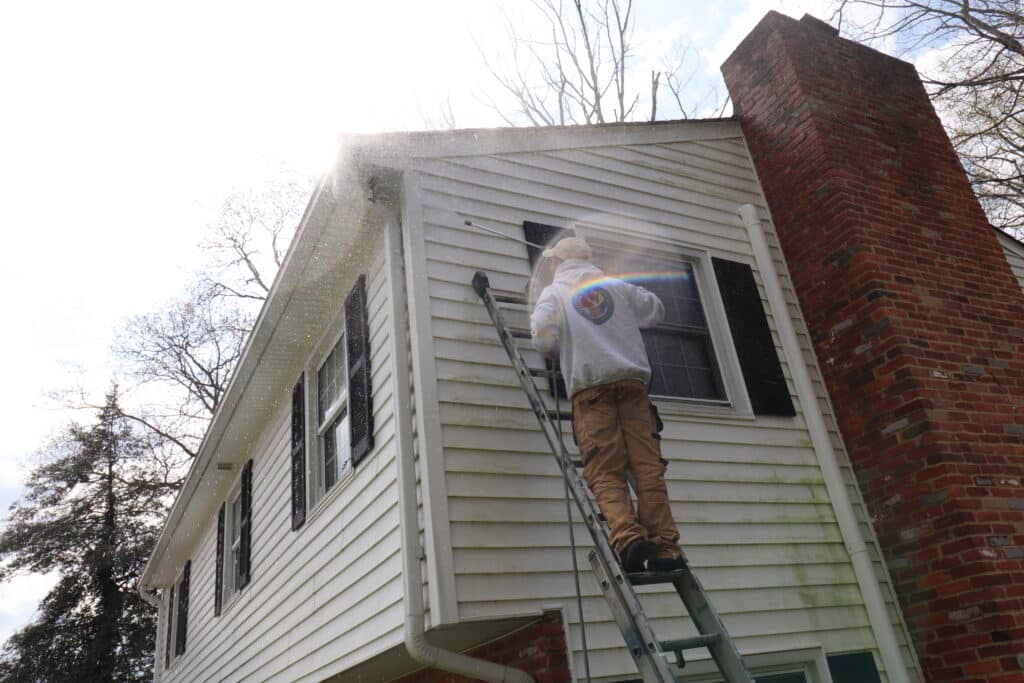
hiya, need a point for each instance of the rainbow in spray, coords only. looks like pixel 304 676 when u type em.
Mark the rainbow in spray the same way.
pixel 636 278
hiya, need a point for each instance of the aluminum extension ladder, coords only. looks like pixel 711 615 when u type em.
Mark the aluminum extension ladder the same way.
pixel 650 655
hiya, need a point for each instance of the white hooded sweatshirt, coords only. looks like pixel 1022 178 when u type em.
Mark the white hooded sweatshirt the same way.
pixel 599 333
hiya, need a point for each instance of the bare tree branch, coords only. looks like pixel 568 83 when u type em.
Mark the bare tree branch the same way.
pixel 976 88
pixel 186 351
pixel 580 71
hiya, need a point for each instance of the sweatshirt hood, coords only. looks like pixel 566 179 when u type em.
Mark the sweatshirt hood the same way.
pixel 574 272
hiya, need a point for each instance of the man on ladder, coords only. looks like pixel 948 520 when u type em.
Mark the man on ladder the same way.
pixel 596 320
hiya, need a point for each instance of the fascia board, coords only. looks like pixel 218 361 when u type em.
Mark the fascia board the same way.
pixel 287 279
pixel 399 149
pixel 1011 242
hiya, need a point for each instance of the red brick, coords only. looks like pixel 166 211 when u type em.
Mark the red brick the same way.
pixel 868 198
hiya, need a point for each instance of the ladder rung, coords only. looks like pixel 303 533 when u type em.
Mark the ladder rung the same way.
pixel 543 372
pixel 690 643
pixel 519 332
pixel 563 415
pixel 510 298
pixel 651 578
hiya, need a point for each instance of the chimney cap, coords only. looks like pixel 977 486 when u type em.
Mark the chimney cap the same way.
pixel 817 23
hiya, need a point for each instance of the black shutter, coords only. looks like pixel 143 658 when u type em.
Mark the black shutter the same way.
pixel 182 623
pixel 299 454
pixel 169 635
pixel 360 395
pixel 539 233
pixel 245 535
pixel 218 567
pixel 762 371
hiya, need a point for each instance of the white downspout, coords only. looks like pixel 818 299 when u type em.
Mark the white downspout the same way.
pixel 412 576
pixel 149 596
pixel 878 614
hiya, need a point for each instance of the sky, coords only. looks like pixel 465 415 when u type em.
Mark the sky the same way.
pixel 124 124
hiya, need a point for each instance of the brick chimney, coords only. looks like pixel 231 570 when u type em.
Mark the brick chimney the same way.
pixel 918 325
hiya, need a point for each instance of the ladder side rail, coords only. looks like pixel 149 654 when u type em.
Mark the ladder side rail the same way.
pixel 640 636
pixel 551 433
pixel 705 617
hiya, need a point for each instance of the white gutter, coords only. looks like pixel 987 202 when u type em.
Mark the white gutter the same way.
pixel 412 576
pixel 863 568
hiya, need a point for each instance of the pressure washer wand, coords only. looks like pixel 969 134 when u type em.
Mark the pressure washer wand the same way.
pixel 499 233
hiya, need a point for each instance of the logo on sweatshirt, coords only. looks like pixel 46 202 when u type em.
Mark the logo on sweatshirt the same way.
pixel 595 304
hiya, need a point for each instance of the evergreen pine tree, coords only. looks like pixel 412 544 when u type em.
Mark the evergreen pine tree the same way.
pixel 91 512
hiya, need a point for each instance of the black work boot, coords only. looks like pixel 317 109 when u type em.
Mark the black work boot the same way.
pixel 667 564
pixel 634 555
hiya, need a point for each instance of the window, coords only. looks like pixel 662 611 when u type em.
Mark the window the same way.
pixel 339 387
pixel 177 617
pixel 234 577
pixel 680 349
pixel 234 546
pixel 782 666
pixel 332 432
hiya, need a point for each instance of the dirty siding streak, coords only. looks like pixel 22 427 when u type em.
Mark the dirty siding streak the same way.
pixel 327 596
pixel 748 493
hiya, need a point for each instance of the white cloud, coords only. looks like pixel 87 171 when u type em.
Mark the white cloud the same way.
pixel 19 598
pixel 743 22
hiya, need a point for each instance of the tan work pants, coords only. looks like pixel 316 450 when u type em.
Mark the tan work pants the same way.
pixel 615 427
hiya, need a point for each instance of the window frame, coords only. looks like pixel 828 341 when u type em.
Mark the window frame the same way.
pixel 317 495
pixel 173 617
pixel 233 542
pixel 811 662
pixel 736 402
pixel 170 622
pixel 229 571
pixel 335 416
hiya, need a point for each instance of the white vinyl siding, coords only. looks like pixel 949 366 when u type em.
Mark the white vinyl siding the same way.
pixel 329 595
pixel 747 492
pixel 1014 251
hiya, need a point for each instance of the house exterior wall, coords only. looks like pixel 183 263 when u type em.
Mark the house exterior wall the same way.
pixel 747 491
pixel 328 595
pixel 918 321
pixel 538 648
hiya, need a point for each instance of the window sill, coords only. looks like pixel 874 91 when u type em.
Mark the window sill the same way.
pixel 669 406
pixel 325 500
pixel 230 602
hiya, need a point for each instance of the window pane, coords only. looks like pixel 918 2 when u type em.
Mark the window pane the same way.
pixel 323 390
pixel 330 450
pixel 330 380
pixel 236 569
pixel 335 448
pixel 341 438
pixel 236 520
pixel 675 285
